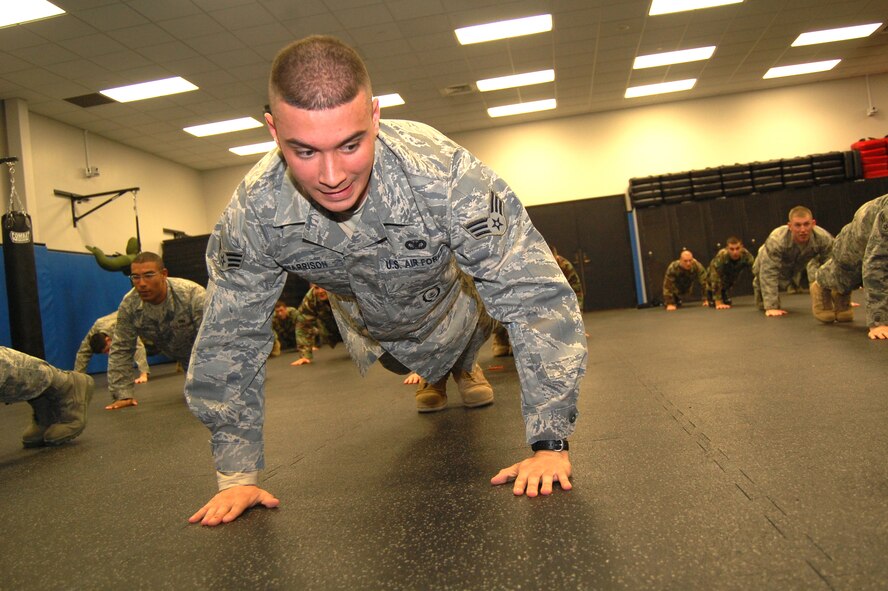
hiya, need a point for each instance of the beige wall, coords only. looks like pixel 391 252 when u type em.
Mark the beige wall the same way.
pixel 170 194
pixel 219 186
pixel 596 155
pixel 547 162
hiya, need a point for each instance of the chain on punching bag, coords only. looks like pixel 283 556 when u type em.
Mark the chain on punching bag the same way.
pixel 25 325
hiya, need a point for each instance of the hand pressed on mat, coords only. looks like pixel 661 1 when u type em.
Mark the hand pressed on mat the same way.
pixel 536 474
pixel 122 403
pixel 230 503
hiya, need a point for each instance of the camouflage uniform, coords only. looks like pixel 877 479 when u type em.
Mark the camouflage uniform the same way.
pixel 860 257
pixel 169 327
pixel 285 329
pixel 23 377
pixel 501 335
pixel 315 325
pixel 780 258
pixel 678 282
pixel 723 272
pixel 106 325
pixel 438 232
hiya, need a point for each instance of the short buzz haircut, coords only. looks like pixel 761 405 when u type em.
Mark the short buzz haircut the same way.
pixel 280 303
pixel 800 211
pixel 149 257
pixel 733 240
pixel 317 73
pixel 97 342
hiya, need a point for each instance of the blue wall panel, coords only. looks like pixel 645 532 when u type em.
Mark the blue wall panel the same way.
pixel 74 292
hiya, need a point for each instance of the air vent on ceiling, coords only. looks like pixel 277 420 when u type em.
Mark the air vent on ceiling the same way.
pixel 457 89
pixel 90 100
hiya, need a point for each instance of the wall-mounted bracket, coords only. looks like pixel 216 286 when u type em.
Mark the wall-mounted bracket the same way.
pixel 75 198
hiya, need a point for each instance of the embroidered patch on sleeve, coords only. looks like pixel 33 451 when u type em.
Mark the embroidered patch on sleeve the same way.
pixel 494 224
pixel 229 256
pixel 229 259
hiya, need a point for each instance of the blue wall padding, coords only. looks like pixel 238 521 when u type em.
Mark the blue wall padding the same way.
pixel 74 292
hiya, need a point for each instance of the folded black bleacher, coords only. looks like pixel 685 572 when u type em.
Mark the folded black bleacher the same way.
pixel 645 191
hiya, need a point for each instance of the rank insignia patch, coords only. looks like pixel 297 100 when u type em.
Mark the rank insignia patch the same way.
pixel 229 259
pixel 494 224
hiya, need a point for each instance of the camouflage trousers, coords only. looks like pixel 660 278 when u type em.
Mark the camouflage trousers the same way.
pixel 469 355
pixel 23 377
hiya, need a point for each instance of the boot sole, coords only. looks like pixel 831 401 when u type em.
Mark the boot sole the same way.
pixel 478 404
pixel 56 442
pixel 432 408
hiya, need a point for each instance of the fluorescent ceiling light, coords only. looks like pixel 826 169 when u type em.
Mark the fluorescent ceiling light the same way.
pixel 504 29
pixel 389 100
pixel 145 90
pixel 839 34
pixel 518 109
pixel 516 80
pixel 223 126
pixel 798 69
pixel 253 148
pixel 24 11
pixel 662 88
pixel 670 6
pixel 673 57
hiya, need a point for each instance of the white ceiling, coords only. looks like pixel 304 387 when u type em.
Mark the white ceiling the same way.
pixel 226 47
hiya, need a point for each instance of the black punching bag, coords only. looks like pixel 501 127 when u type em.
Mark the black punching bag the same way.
pixel 21 284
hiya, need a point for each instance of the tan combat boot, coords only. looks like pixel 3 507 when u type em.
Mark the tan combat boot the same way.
pixel 822 303
pixel 842 304
pixel 431 397
pixel 473 387
pixel 70 394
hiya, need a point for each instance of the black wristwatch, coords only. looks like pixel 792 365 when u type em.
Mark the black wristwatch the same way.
pixel 551 445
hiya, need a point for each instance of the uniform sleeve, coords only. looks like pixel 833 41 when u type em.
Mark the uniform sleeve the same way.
pixel 701 277
pixel 714 279
pixel 573 278
pixel 770 255
pixel 198 302
pixel 141 357
pixel 669 288
pixel 120 358
pixel 875 271
pixel 85 352
pixel 522 287
pixel 225 382
pixel 823 254
pixel 305 320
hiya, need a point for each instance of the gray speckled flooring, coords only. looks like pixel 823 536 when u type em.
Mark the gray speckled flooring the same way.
pixel 715 450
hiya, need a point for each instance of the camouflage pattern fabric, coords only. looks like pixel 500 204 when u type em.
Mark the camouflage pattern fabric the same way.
pixel 315 325
pixel 23 377
pixel 107 324
pixel 438 234
pixel 501 334
pixel 723 272
pixel 780 258
pixel 285 329
pixel 860 257
pixel 168 328
pixel 573 278
pixel 678 282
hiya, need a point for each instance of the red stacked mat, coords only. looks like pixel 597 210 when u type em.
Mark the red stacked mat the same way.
pixel 874 156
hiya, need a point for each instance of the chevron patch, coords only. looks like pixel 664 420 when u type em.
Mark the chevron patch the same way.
pixel 494 224
pixel 229 259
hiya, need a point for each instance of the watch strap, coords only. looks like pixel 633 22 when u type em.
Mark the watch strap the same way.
pixel 550 445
